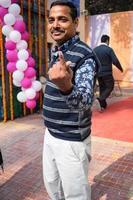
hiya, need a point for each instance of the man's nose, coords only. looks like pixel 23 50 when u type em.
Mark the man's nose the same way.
pixel 55 24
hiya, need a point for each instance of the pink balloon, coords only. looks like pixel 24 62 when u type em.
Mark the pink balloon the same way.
pixel 11 66
pixel 3 12
pixel 31 104
pixel 10 45
pixel 31 62
pixel 25 36
pixel 1 22
pixel 14 1
pixel 37 96
pixel 30 72
pixel 12 56
pixel 20 26
pixel 26 83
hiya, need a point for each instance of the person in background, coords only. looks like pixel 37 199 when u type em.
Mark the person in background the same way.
pixel 107 57
pixel 67 108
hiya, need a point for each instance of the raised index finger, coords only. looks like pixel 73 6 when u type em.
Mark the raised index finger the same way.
pixel 61 58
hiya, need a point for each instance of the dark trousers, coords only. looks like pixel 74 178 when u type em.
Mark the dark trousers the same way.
pixel 106 85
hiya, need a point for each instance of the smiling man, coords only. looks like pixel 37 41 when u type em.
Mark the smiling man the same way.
pixel 67 108
pixel 61 25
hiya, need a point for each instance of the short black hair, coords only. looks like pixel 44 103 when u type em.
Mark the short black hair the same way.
pixel 73 9
pixel 105 38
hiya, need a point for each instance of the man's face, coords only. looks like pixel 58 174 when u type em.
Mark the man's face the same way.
pixel 60 24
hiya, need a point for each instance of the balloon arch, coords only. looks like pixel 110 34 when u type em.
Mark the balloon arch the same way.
pixel 21 63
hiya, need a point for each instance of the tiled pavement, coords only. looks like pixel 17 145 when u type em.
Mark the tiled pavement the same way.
pixel 111 171
pixel 110 174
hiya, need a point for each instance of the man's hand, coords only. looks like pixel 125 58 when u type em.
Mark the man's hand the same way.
pixel 61 74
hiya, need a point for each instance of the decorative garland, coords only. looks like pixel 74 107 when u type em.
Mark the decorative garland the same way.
pixel 29 25
pixel 3 81
pixel 21 6
pixel 11 97
pixel 40 44
pixel 20 61
pixel 46 39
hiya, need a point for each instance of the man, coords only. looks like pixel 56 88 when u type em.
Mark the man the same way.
pixel 67 108
pixel 107 57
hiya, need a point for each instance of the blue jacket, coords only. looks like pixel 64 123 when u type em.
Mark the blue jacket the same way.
pixel 107 57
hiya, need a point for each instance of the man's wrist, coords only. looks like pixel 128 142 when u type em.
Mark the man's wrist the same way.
pixel 67 91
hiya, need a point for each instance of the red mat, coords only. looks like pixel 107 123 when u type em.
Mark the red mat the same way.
pixel 116 122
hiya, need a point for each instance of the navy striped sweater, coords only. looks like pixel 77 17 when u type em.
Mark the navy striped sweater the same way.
pixel 63 122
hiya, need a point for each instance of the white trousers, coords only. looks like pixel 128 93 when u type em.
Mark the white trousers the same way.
pixel 65 168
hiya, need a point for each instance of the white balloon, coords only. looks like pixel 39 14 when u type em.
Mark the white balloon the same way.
pixel 19 17
pixel 18 75
pixel 36 85
pixel 9 19
pixel 16 83
pixel 7 39
pixel 22 45
pixel 21 97
pixel 23 54
pixel 30 93
pixel 21 65
pixel 14 9
pixel 5 3
pixel 34 78
pixel 15 36
pixel 6 30
pixel 23 89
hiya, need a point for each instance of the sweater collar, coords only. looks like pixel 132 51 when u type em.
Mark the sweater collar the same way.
pixel 103 43
pixel 65 46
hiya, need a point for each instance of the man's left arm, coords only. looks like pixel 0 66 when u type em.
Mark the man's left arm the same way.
pixel 83 90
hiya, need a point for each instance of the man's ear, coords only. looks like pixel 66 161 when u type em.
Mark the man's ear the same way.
pixel 76 22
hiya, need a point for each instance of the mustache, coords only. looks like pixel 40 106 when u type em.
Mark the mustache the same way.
pixel 55 30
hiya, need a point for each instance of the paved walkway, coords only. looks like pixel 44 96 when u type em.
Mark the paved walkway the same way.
pixel 110 174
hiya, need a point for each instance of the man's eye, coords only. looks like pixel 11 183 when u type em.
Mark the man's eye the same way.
pixel 50 21
pixel 63 20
